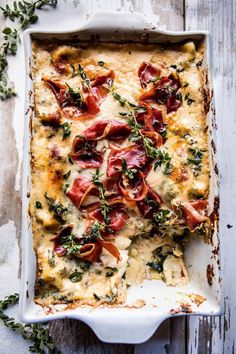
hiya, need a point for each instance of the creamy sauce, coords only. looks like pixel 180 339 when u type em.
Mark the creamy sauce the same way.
pixel 186 129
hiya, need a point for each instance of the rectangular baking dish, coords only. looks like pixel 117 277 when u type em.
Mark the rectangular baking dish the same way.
pixel 130 323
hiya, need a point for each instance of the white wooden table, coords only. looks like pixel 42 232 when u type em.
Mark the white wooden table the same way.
pixel 193 335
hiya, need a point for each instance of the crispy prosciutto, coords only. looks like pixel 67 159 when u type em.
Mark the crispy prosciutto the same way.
pixel 164 91
pixel 117 217
pixel 85 154
pixel 151 119
pixel 80 104
pixel 150 204
pixel 146 72
pixel 135 188
pixel 111 248
pixel 194 212
pixel 112 130
pixel 134 156
pixel 82 188
pixel 90 252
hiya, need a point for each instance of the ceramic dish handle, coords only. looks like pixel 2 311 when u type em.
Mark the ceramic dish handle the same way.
pixel 117 20
pixel 128 327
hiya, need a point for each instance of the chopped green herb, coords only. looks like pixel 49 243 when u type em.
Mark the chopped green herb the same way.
pixel 65 187
pixel 123 114
pixel 168 168
pixel 67 174
pixel 75 277
pixel 66 130
pixel 59 211
pixel 155 79
pixel 196 156
pixel 51 259
pixel 160 217
pixel 189 99
pixel 85 265
pixel 130 173
pixel 96 297
pixel 81 72
pixel 38 205
pixel 111 271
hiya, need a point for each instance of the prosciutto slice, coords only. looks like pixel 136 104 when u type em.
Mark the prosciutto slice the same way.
pixel 85 154
pixel 91 99
pixel 146 72
pixel 150 204
pixel 134 189
pixel 164 91
pixel 117 218
pixel 134 156
pixel 82 188
pixel 113 130
pixel 194 212
pixel 151 119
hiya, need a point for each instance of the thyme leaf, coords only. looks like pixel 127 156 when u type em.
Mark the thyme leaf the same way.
pixel 59 211
pixel 37 333
pixel 24 12
pixel 105 208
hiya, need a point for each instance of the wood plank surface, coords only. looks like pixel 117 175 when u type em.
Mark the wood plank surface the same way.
pixel 195 335
pixel 217 335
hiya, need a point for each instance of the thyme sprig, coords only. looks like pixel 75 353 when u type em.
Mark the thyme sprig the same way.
pixel 37 333
pixel 105 208
pixel 160 156
pixel 24 12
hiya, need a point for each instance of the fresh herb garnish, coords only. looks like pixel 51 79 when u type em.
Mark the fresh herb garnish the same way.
pixel 155 79
pixel 95 229
pixel 85 265
pixel 24 12
pixel 178 69
pixel 38 205
pixel 96 297
pixel 69 242
pixel 37 333
pixel 111 271
pixel 51 259
pixel 67 174
pixel 75 277
pixel 160 156
pixel 196 156
pixel 189 99
pixel 76 96
pixel 160 217
pixel 129 172
pixel 59 211
pixel 105 208
pixel 66 130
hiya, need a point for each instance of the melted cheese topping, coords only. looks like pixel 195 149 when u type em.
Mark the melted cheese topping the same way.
pixel 186 129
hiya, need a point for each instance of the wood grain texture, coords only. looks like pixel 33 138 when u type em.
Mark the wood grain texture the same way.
pixel 195 335
pixel 217 335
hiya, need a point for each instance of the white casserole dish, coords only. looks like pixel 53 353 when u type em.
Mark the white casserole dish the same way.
pixel 126 324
